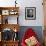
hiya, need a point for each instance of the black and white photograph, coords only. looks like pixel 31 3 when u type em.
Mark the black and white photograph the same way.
pixel 30 13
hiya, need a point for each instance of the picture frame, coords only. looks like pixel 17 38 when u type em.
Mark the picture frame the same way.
pixel 30 13
pixel 5 12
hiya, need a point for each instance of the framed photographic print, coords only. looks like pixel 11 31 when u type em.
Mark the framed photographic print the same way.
pixel 30 13
pixel 5 12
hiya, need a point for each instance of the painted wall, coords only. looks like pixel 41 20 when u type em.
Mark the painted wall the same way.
pixel 27 3
pixel 39 12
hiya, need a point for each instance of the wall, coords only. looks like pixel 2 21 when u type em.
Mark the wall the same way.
pixel 27 3
pixel 39 12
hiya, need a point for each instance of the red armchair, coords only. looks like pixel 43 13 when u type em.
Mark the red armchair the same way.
pixel 28 34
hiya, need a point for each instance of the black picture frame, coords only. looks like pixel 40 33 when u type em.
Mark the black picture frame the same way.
pixel 30 13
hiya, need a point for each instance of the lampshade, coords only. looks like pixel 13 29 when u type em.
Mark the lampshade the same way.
pixel 15 30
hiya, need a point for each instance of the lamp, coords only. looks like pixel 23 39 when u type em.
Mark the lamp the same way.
pixel 15 30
